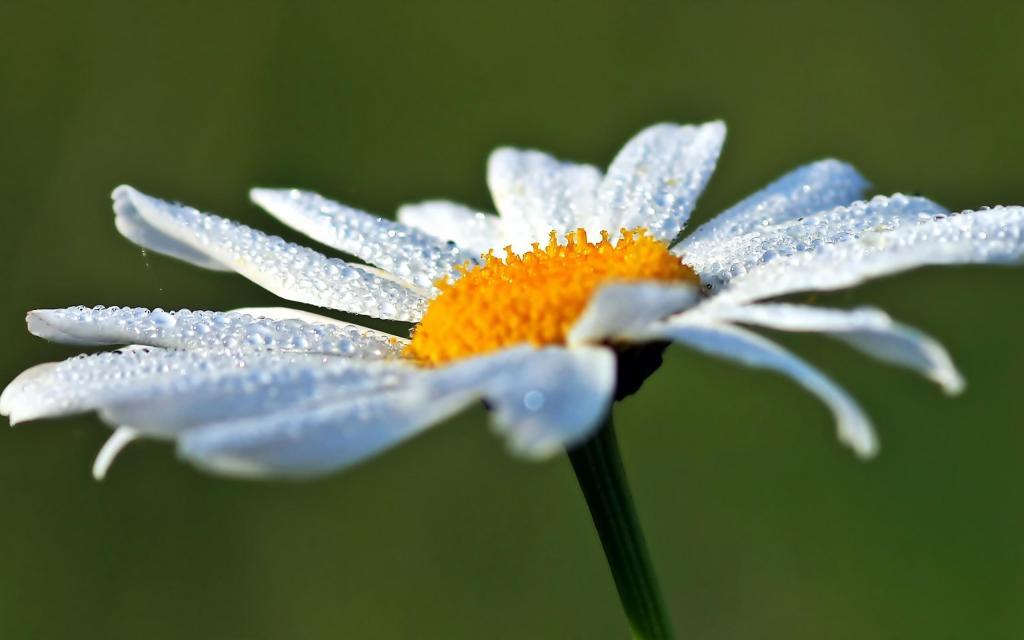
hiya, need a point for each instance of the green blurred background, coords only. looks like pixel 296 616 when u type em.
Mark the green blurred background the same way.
pixel 760 524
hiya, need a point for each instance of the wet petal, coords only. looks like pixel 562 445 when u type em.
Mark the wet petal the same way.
pixel 815 187
pixel 208 330
pixel 618 309
pixel 542 400
pixel 869 330
pixel 719 262
pixel 536 194
pixel 289 313
pixel 115 444
pixel 166 410
pixel 990 236
pixel 732 343
pixel 472 230
pixel 320 439
pixel 140 376
pixel 293 272
pixel 408 253
pixel 654 182
pixel 130 224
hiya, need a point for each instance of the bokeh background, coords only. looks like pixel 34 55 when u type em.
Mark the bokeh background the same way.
pixel 760 524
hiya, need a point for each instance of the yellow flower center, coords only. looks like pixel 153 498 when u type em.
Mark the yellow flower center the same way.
pixel 535 297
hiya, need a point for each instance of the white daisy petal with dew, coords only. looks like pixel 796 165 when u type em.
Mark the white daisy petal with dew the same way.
pixel 577 388
pixel 473 230
pixel 536 194
pixel 733 343
pixel 408 253
pixel 291 271
pixel 654 182
pixel 192 330
pixel 573 316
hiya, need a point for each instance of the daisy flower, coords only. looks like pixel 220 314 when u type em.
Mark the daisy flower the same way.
pixel 547 312
pixel 526 310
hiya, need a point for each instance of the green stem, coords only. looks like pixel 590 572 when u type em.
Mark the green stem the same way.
pixel 602 478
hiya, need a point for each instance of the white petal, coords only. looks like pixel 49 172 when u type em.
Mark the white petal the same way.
pixel 85 383
pixel 536 194
pixel 472 230
pixel 398 249
pixel 542 400
pixel 654 182
pixel 619 309
pixel 319 440
pixel 121 438
pixel 208 330
pixel 739 345
pixel 869 330
pixel 815 187
pixel 288 270
pixel 990 236
pixel 718 262
pixel 130 224
pixel 165 408
pixel 289 313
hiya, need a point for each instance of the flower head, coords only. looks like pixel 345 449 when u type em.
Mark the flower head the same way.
pixel 531 310
pixel 535 298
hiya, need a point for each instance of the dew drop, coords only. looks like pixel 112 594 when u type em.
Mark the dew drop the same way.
pixel 533 400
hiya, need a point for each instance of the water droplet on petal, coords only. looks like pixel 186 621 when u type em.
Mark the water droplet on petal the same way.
pixel 533 400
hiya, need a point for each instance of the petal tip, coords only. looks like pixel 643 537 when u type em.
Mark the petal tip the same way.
pixel 862 440
pixel 122 191
pixel 869 452
pixel 263 195
pixel 952 383
pixel 116 443
pixel 40 322
pixel 715 126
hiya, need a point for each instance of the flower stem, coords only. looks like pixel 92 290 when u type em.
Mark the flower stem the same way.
pixel 602 478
